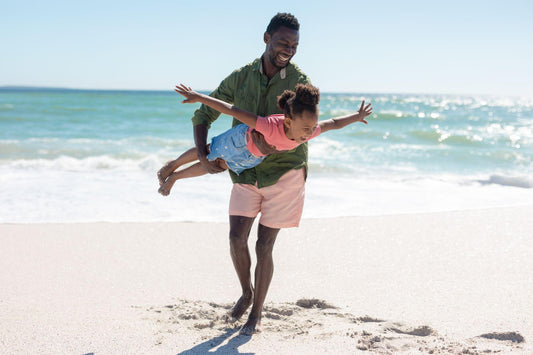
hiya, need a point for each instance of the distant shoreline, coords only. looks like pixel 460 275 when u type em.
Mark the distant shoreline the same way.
pixel 58 89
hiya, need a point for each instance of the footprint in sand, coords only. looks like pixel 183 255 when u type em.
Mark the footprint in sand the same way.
pixel 512 336
pixel 422 331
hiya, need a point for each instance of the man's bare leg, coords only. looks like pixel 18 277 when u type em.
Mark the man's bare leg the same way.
pixel 240 255
pixel 188 157
pixel 266 237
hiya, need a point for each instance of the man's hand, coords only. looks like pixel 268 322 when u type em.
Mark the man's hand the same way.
pixel 212 167
pixel 262 145
pixel 200 138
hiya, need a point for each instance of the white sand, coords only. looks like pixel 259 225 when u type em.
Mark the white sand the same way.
pixel 164 287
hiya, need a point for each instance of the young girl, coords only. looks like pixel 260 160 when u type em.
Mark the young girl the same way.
pixel 235 150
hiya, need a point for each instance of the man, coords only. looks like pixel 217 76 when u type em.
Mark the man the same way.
pixel 276 186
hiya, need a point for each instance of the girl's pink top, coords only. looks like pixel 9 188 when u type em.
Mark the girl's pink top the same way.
pixel 272 128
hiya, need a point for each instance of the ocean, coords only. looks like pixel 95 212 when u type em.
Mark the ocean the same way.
pixel 87 155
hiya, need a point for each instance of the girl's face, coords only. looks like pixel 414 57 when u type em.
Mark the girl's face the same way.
pixel 302 126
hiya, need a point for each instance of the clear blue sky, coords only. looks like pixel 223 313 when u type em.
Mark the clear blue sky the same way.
pixel 407 46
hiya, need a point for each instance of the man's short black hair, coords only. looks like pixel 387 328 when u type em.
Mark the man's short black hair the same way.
pixel 283 19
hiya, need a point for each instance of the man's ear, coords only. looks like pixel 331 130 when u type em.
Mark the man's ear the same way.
pixel 266 38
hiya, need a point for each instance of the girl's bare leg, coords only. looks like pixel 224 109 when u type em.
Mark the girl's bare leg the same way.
pixel 188 157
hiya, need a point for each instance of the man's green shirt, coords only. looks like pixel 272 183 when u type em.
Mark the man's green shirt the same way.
pixel 248 88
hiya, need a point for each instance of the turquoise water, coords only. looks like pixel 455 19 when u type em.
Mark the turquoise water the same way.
pixel 438 134
pixel 70 134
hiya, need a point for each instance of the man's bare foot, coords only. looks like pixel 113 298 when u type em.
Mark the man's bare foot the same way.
pixel 242 305
pixel 252 325
pixel 167 185
pixel 165 172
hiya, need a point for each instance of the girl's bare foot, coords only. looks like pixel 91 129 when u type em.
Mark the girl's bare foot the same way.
pixel 167 185
pixel 165 172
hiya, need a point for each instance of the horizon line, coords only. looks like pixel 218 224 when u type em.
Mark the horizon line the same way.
pixel 60 88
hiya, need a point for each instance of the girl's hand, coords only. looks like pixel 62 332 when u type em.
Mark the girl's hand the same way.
pixel 190 95
pixel 364 111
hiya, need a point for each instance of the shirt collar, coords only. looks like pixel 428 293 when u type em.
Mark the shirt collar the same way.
pixel 282 72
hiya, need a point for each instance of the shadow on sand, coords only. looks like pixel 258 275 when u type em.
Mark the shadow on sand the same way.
pixel 230 348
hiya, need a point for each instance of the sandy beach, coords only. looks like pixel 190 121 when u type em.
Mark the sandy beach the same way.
pixel 448 282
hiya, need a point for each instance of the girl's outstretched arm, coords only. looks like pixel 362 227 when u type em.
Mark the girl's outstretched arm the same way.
pixel 343 121
pixel 191 96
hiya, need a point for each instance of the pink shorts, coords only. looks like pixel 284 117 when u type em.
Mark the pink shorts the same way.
pixel 281 204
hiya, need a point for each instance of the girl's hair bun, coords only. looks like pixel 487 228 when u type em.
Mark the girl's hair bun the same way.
pixel 304 97
pixel 284 97
pixel 307 94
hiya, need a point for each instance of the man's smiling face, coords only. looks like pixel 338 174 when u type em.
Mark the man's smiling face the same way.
pixel 281 46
